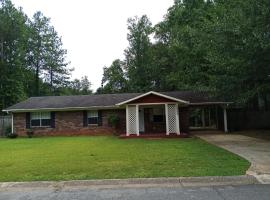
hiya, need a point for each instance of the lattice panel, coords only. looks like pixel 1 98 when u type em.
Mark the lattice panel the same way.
pixel 172 118
pixel 132 120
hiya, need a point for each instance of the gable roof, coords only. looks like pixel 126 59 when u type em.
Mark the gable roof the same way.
pixel 155 93
pixel 80 102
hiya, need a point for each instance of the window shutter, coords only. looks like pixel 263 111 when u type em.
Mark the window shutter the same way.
pixel 53 119
pixel 99 118
pixel 85 120
pixel 27 120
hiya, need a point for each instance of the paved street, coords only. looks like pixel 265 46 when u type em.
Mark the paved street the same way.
pixel 247 192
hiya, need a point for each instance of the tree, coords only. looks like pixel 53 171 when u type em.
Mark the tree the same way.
pixel 56 70
pixel 40 36
pixel 138 54
pixel 13 49
pixel 113 80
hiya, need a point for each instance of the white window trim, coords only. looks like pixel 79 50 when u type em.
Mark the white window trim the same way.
pixel 40 119
pixel 95 116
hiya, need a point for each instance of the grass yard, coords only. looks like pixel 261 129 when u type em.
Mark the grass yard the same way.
pixel 104 157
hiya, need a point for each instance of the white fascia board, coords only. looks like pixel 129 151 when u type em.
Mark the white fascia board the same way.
pixel 63 109
pixel 155 93
pixel 210 103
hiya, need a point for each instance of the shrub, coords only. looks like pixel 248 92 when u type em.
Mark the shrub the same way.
pixel 113 120
pixel 30 133
pixel 12 135
pixel 9 134
pixel 7 130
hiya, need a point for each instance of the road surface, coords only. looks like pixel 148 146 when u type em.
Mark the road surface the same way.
pixel 243 192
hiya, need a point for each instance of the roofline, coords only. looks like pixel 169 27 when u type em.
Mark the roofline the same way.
pixel 209 103
pixel 152 92
pixel 62 109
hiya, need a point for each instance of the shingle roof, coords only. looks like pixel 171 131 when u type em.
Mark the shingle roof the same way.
pixel 100 100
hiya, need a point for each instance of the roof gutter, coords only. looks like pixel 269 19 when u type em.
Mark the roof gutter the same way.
pixel 210 103
pixel 62 109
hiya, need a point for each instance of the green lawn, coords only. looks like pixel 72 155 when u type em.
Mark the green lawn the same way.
pixel 99 157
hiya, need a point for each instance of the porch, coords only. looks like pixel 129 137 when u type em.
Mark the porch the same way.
pixel 157 115
pixel 152 120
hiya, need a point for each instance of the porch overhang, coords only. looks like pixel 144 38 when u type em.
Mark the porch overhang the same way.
pixel 153 93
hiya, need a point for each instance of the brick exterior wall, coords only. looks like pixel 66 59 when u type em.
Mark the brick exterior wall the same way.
pixel 71 123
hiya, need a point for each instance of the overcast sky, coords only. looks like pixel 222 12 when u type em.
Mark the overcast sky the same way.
pixel 94 31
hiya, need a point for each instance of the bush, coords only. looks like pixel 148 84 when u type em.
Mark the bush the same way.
pixel 12 135
pixel 30 133
pixel 7 130
pixel 9 134
pixel 113 120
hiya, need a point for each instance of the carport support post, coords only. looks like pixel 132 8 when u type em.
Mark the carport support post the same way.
pixel 225 119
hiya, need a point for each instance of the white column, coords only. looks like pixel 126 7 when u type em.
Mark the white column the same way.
pixel 225 120
pixel 12 126
pixel 137 120
pixel 167 119
pixel 177 120
pixel 127 121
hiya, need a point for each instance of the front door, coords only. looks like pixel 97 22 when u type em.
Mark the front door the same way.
pixel 141 120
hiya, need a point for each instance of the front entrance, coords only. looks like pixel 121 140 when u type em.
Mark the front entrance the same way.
pixel 141 120
pixel 160 118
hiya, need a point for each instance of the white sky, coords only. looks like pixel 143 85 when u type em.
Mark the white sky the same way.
pixel 94 31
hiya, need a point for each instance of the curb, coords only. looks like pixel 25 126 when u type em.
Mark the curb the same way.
pixel 135 182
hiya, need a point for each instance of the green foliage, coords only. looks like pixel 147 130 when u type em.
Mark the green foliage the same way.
pixel 8 130
pixel 113 120
pixel 32 58
pixel 30 133
pixel 12 135
pixel 218 46
pixel 113 80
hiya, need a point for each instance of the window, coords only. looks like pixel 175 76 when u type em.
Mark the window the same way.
pixel 92 116
pixel 40 119
pixel 158 115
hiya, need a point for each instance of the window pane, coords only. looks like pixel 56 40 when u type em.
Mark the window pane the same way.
pixel 45 115
pixel 45 122
pixel 35 122
pixel 93 120
pixel 92 113
pixel 35 115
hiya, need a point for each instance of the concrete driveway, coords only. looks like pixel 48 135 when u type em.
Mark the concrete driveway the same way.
pixel 257 151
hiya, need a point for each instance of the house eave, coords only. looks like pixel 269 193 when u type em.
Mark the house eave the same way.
pixel 62 109
pixel 155 93
pixel 210 103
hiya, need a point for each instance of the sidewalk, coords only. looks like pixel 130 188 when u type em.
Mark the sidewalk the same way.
pixel 181 182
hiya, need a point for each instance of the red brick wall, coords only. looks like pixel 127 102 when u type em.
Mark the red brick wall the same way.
pixel 71 123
